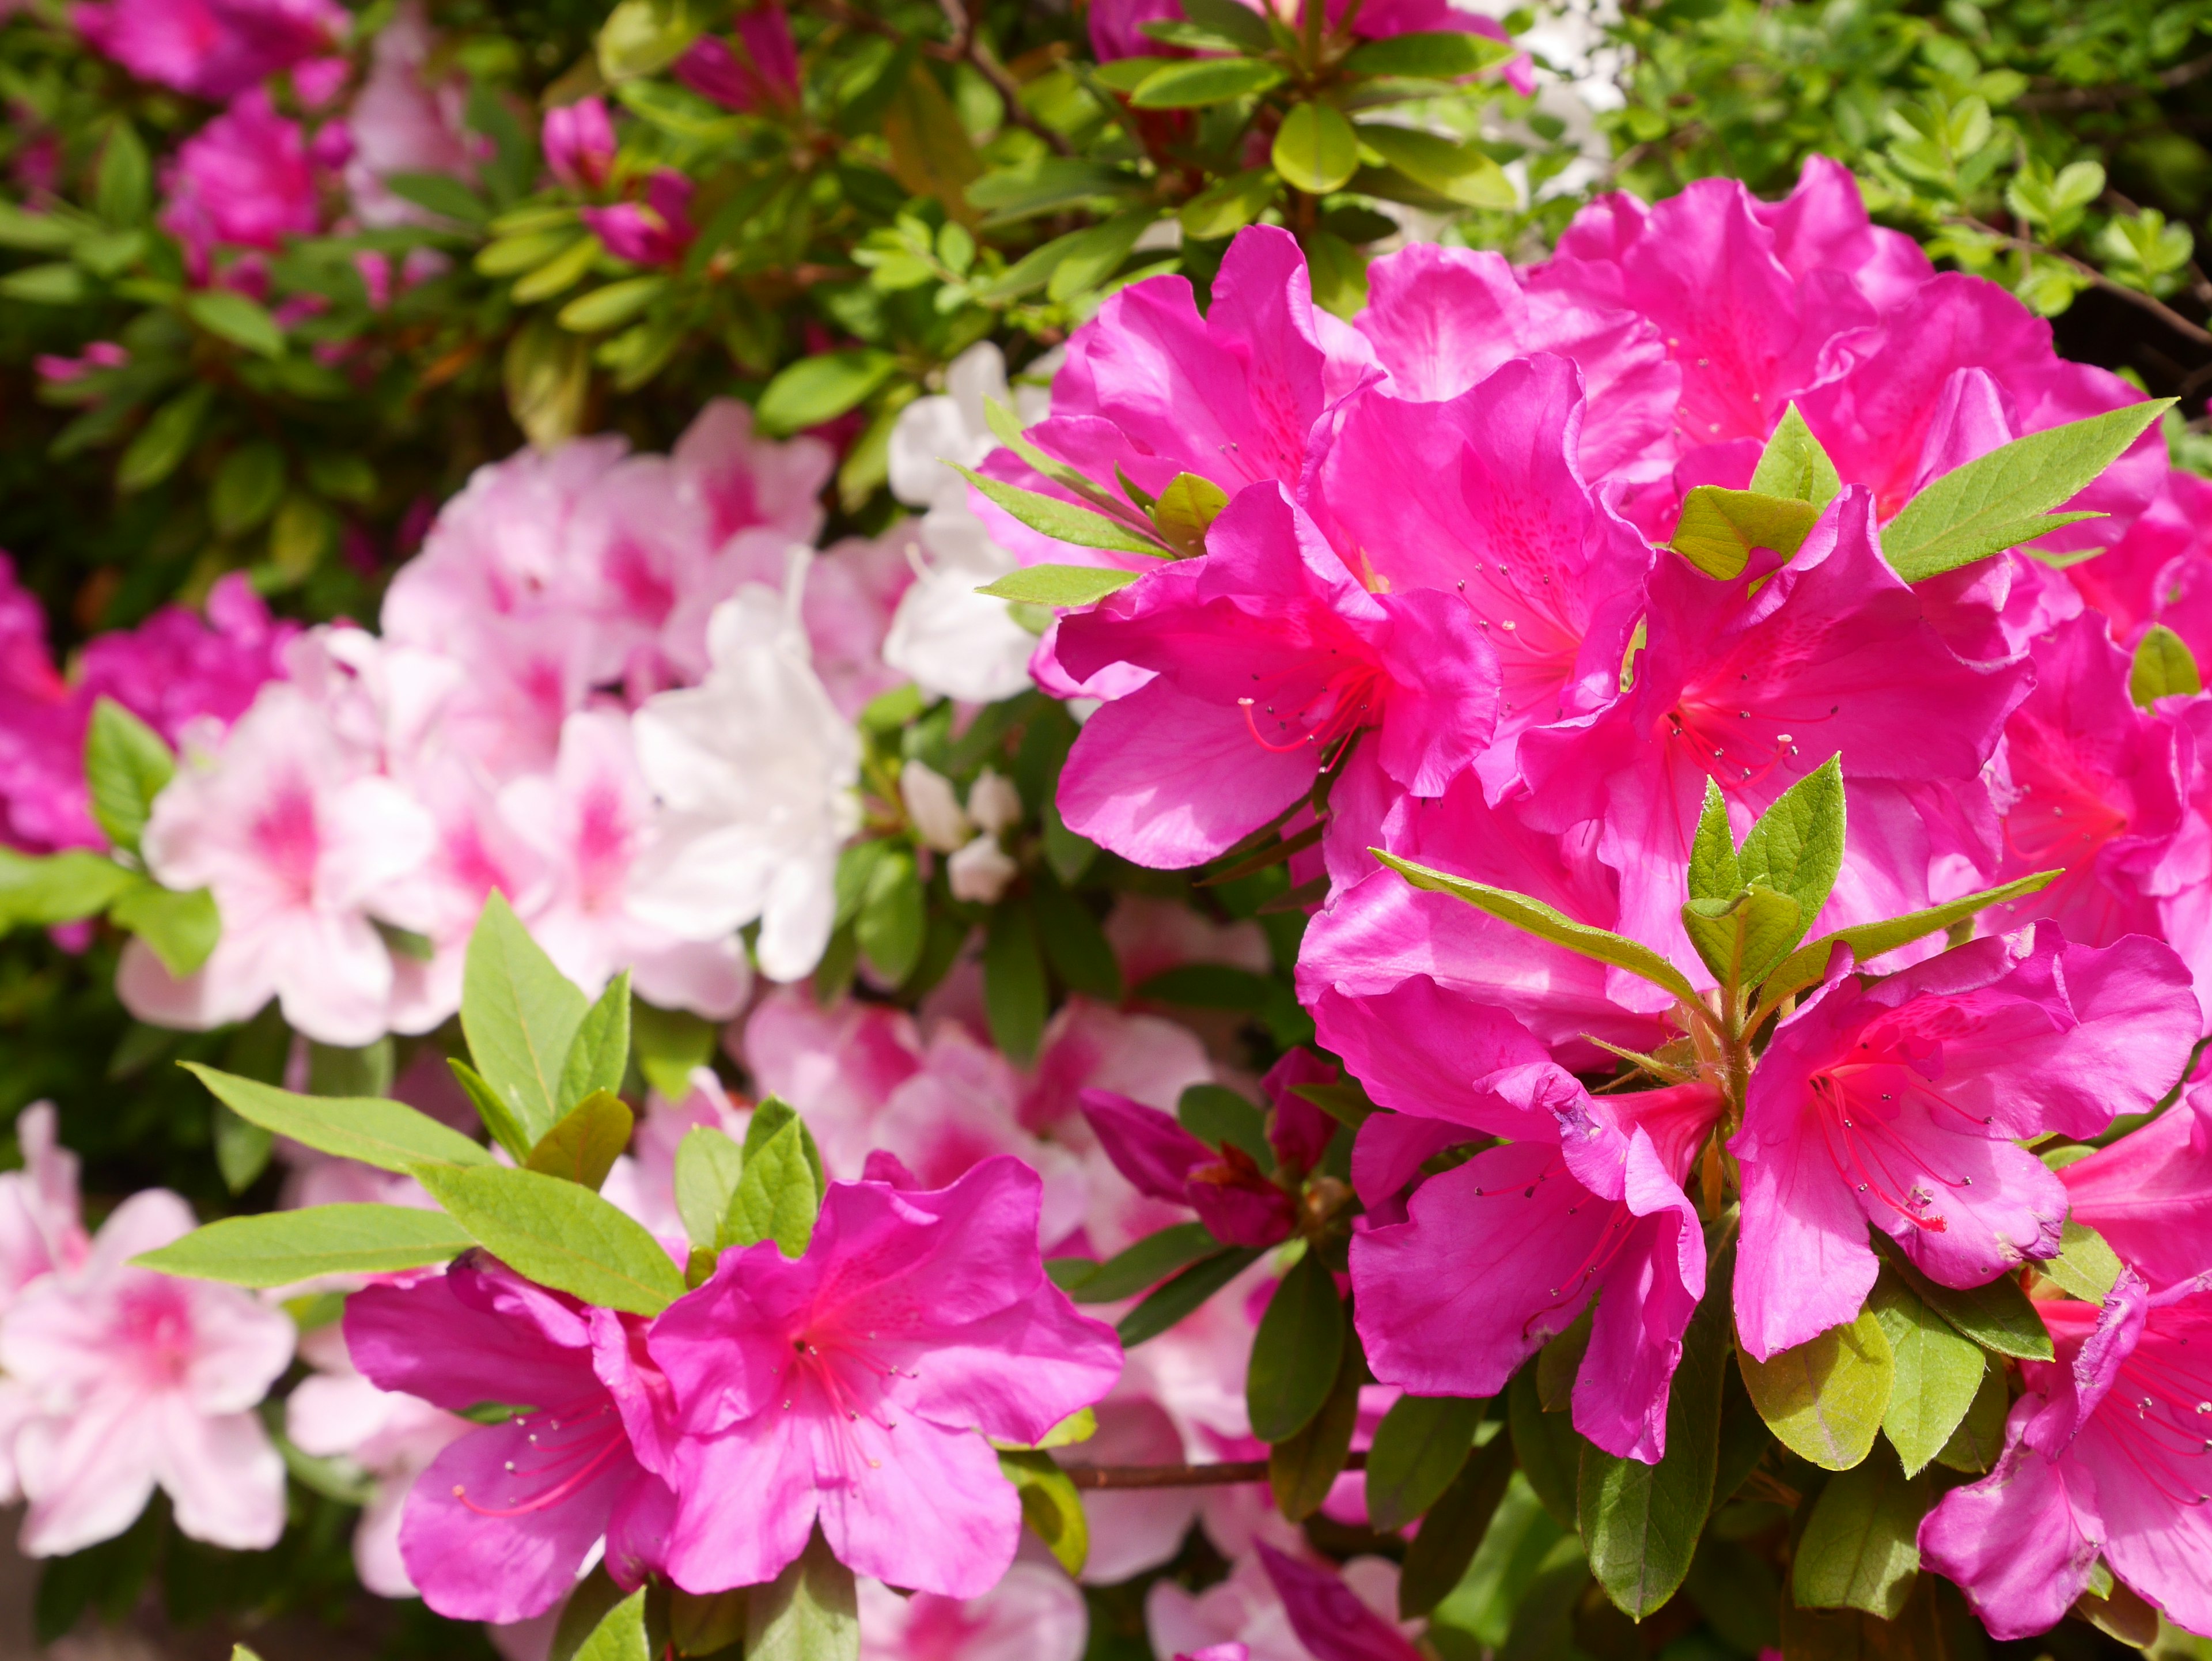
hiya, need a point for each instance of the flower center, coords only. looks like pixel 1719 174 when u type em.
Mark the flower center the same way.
pixel 566 1448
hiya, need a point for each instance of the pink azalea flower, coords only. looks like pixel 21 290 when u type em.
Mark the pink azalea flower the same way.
pixel 40 1233
pixel 404 121
pixel 2153 571
pixel 2149 1194
pixel 848 1386
pixel 1329 1616
pixel 654 232
pixel 299 839
pixel 1480 497
pixel 1151 388
pixel 1117 28
pixel 1247 1617
pixel 499 1523
pixel 587 822
pixel 1268 658
pixel 579 141
pixel 1898 1106
pixel 1034 1613
pixel 125 1379
pixel 244 179
pixel 212 49
pixel 1831 656
pixel 1822 225
pixel 746 482
pixel 1231 1194
pixel 2105 1455
pixel 759 72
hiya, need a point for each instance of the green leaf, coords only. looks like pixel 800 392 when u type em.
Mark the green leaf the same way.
pixel 37 233
pixel 808 1613
pixel 1295 1352
pixel 670 1045
pixel 612 304
pixel 505 1128
pixel 1187 508
pixel 1168 1304
pixel 1050 1505
pixel 165 441
pixel 706 1624
pixel 1063 521
pixel 1454 1527
pixel 181 929
pixel 1429 55
pixel 1998 1317
pixel 1302 1470
pixel 239 318
pixel 1640 1523
pixel 57 284
pixel 1232 22
pixel 769 1117
pixel 619 1635
pixel 1094 254
pixel 2006 497
pixel 1938 1373
pixel 65 887
pixel 1459 172
pixel 1060 585
pixel 1715 872
pixel 820 388
pixel 778 1194
pixel 599 1055
pixel 441 194
pixel 1316 149
pixel 1548 1446
pixel 1794 465
pixel 278 1248
pixel 557 275
pixel 708 1167
pixel 247 487
pixel 1014 1002
pixel 1797 846
pixel 1535 917
pixel 582 1147
pixel 1227 207
pixel 2164 668
pixel 389 1136
pixel 1191 83
pixel 1217 1115
pixel 242 1150
pixel 1859 1550
pixel 1825 1397
pixel 1009 195
pixel 1074 945
pixel 511 256
pixel 893 917
pixel 1975 1444
pixel 123 190
pixel 2085 1266
pixel 1719 529
pixel 547 376
pixel 1134 1268
pixel 1740 939
pixel 1419 1448
pixel 520 1015
pixel 558 1234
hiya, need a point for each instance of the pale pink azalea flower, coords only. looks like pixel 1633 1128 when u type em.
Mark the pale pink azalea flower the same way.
pixel 40 1232
pixel 299 840
pixel 128 1379
pixel 404 121
pixel 1034 1613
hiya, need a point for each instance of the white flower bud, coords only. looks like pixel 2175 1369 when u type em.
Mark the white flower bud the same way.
pixel 980 872
pixel 932 807
pixel 993 803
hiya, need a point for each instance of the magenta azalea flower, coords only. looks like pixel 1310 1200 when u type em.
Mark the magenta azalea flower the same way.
pixel 1267 659
pixel 579 141
pixel 1231 1194
pixel 654 232
pixel 499 1524
pixel 1327 1615
pixel 244 180
pixel 855 1387
pixel 211 49
pixel 2105 1455
pixel 761 71
pixel 1898 1105
pixel 2150 1193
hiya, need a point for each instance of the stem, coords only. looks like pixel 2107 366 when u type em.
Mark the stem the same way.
pixel 1179 1476
pixel 2150 303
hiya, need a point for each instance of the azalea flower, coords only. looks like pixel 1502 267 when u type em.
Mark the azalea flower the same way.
pixel 1034 1613
pixel 2149 1194
pixel 654 232
pixel 407 119
pixel 122 1379
pixel 760 71
pixel 579 141
pixel 1898 1104
pixel 211 49
pixel 40 1233
pixel 499 1524
pixel 848 1386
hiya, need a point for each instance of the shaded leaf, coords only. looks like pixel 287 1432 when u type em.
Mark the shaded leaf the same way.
pixel 1859 1550
pixel 583 1146
pixel 1295 1352
pixel 1303 1469
pixel 1179 1297
pixel 1418 1450
pixel 1454 1527
pixel 1050 1505
pixel 808 1613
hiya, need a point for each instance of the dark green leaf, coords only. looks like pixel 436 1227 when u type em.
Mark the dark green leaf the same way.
pixel 1719 529
pixel 165 441
pixel 1014 1002
pixel 1858 1550
pixel 1136 1267
pixel 588 1605
pixel 583 1146
pixel 1216 1115
pixel 520 1015
pixel 1179 1297
pixel 1453 1528
pixel 670 1045
pixel 1419 1448
pixel 1074 945
pixel 1303 1469
pixel 278 1248
pixel 390 1136
pixel 558 1234
pixel 1548 1446
pixel 1295 1352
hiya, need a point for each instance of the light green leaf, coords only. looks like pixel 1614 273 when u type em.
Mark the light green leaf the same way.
pixel 2085 1266
pixel 1454 1527
pixel 1192 83
pixel 1136 1267
pixel 1062 520
pixel 1050 1505
pixel 1227 207
pixel 2164 668
pixel 511 256
pixel 1232 22
pixel 1719 529
pixel 619 1635
pixel 390 1136
pixel 1009 195
pixel 1419 1448
pixel 1094 254
pixel 2006 497
pixel 1938 1372
pixel 708 1167
pixel 1316 149
pixel 237 318
pixel 588 1605
pixel 278 1248
pixel 558 1234
pixel 1059 585
pixel 1459 172
pixel 893 918
pixel 39 893
pixel 583 1146
pixel 1302 1470
pixel 1295 1352
pixel 670 1045
pixel 809 1613
pixel 123 188
pixel 126 764
pixel 181 929
pixel 612 304
pixel 1429 55
pixel 822 387
pixel 1975 1444
pixel 37 232
pixel 1640 1523
pixel 770 1117
pixel 520 1015
pixel 1998 1317
pixel 1535 917
pixel 242 1150
pixel 1741 938
pixel 1715 872
pixel 1794 465
pixel 599 1055
pixel 1797 846
pixel 557 275
pixel 1859 1550
pixel 1825 1397
pixel 778 1194
pixel 441 193
pixel 1187 508
pixel 505 1128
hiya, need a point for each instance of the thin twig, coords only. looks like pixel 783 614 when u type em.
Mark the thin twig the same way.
pixel 1220 1473
pixel 2150 303
pixel 968 42
pixel 2085 98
